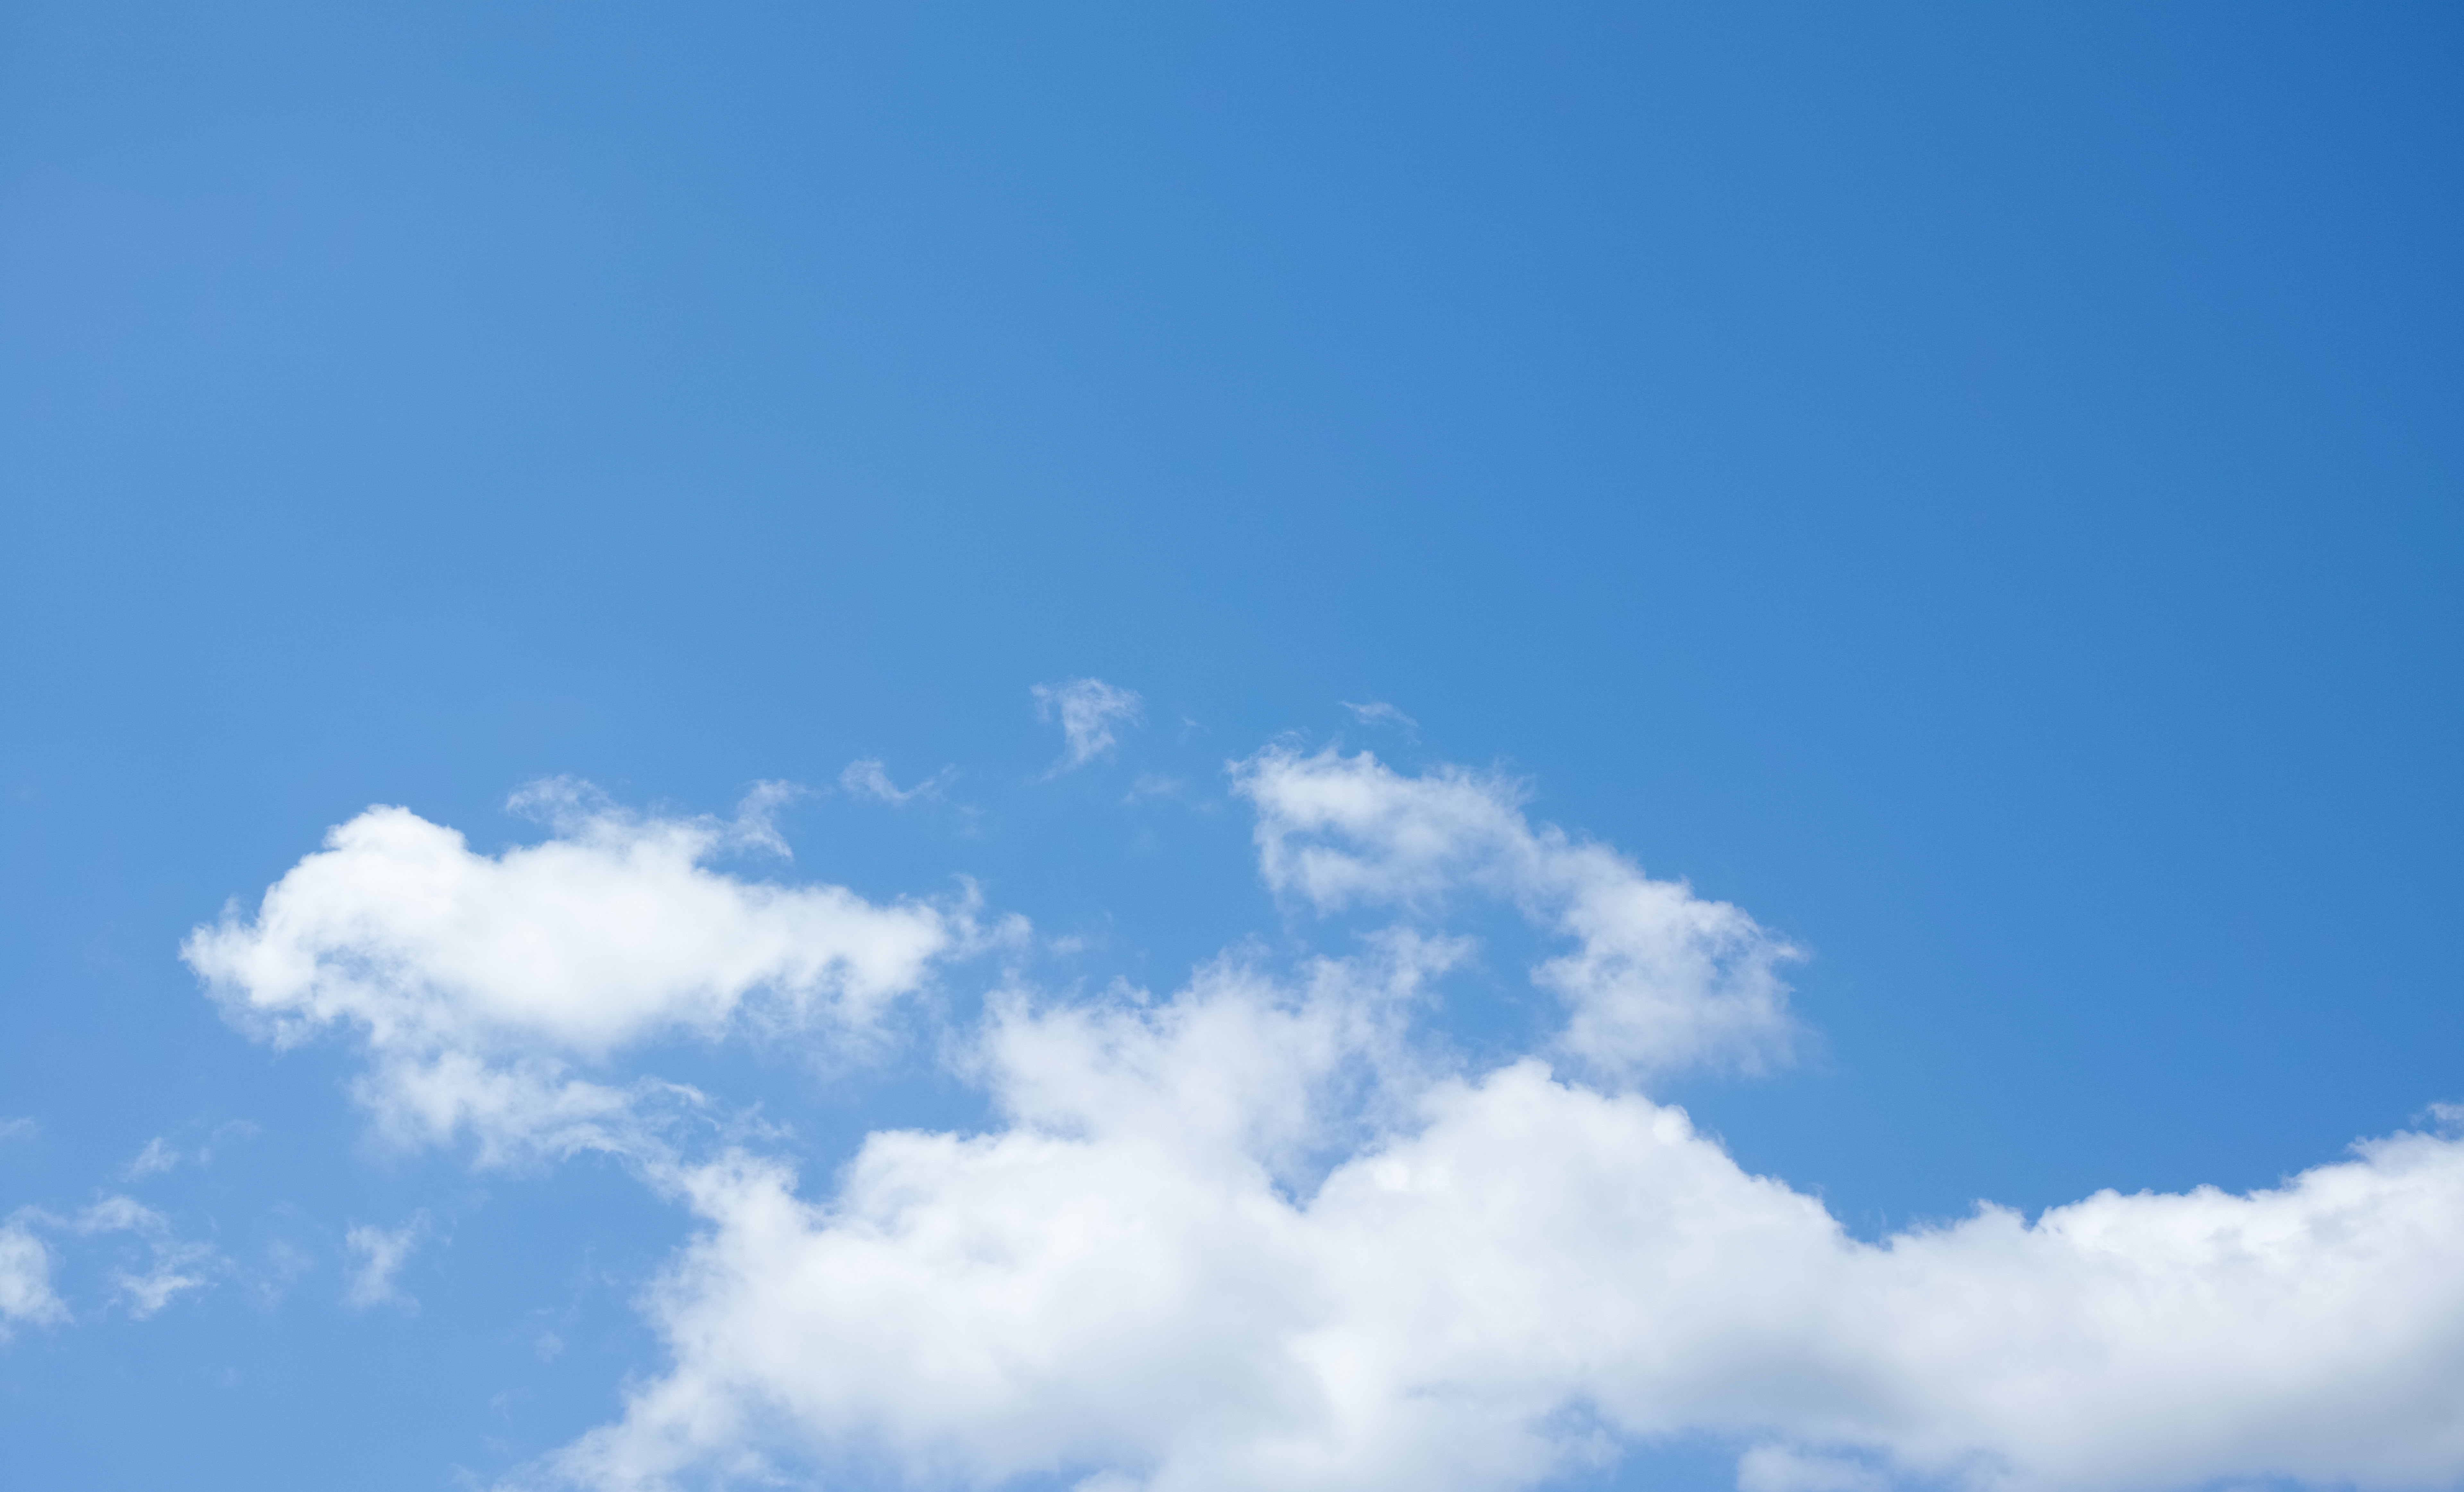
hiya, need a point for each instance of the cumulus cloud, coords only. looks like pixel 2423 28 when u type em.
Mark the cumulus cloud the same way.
pixel 1264 1232
pixel 479 983
pixel 26 1297
pixel 380 1254
pixel 1657 978
pixel 1088 709
pixel 1116 1281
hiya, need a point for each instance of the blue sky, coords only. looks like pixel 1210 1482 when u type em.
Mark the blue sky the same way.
pixel 1973 493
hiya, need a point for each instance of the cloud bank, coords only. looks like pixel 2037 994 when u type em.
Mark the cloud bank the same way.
pixel 1264 1232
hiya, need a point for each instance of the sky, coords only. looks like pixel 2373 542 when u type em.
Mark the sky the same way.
pixel 1153 749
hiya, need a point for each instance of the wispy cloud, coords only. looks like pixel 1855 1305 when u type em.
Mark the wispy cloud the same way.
pixel 755 825
pixel 18 1130
pixel 1379 713
pixel 382 1252
pixel 157 1157
pixel 1088 709
pixel 26 1297
pixel 174 1265
pixel 1154 784
pixel 1271 1230
pixel 868 777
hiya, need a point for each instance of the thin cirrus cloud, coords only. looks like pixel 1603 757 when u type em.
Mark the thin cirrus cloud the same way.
pixel 1263 1231
pixel 171 1266
pixel 156 1265
pixel 869 777
pixel 1378 712
pixel 1089 710
pixel 158 1157
pixel 378 1255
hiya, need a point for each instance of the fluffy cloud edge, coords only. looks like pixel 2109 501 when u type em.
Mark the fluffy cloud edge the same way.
pixel 493 993
pixel 1257 1233
pixel 26 1294
pixel 1657 979
pixel 1088 1290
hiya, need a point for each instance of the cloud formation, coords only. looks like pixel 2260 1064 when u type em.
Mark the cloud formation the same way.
pixel 1115 1281
pixel 1657 978
pixel 868 777
pixel 381 1253
pixel 1264 1232
pixel 477 983
pixel 26 1297
pixel 1378 712
pixel 172 1266
pixel 1088 709
pixel 157 1157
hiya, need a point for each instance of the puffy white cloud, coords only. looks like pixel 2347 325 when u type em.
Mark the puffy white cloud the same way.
pixel 1124 1279
pixel 1260 1234
pixel 612 930
pixel 381 1253
pixel 1659 977
pixel 26 1297
pixel 1088 709
pixel 477 980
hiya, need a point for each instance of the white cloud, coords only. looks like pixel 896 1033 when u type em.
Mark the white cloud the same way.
pixel 1260 1233
pixel 870 779
pixel 382 1252
pixel 1089 709
pixel 477 981
pixel 756 825
pixel 1379 713
pixel 18 1130
pixel 1151 785
pixel 1659 977
pixel 157 1157
pixel 1124 1279
pixel 174 1265
pixel 26 1297
pixel 228 1130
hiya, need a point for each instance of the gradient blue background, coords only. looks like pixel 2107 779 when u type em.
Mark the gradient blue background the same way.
pixel 1979 489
